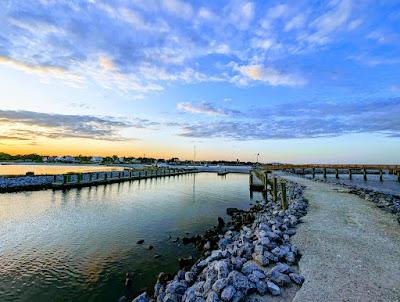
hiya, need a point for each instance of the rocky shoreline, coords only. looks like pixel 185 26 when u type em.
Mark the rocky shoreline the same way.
pixel 249 256
pixel 384 201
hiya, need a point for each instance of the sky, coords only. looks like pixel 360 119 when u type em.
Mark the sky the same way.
pixel 294 81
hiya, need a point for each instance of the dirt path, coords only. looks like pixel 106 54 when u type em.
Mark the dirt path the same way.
pixel 351 249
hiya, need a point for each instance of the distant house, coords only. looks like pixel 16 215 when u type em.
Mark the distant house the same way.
pixel 96 159
pixel 65 159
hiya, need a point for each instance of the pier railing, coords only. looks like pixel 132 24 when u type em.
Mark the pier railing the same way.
pixel 326 169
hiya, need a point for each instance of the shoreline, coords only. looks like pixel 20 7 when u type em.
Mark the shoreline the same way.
pixel 250 255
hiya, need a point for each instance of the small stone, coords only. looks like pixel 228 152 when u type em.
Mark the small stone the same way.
pixel 249 267
pixel 141 298
pixel 273 288
pixel 150 247
pixel 238 280
pixel 157 256
pixel 296 278
pixel 261 287
pixel 219 285
pixel 189 277
pixel 279 278
pixel 212 297
pixel 141 241
pixel 228 293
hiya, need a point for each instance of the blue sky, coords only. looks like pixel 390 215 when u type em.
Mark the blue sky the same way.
pixel 296 81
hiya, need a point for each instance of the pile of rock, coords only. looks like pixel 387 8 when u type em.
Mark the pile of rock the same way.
pixel 253 259
pixel 24 181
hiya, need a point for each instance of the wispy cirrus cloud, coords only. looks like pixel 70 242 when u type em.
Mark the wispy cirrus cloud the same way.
pixel 204 108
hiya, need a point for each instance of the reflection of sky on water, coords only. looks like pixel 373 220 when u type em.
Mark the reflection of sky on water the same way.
pixel 78 244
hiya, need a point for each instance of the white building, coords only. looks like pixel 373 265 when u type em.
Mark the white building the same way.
pixel 96 159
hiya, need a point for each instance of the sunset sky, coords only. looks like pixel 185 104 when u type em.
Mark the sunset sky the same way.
pixel 296 81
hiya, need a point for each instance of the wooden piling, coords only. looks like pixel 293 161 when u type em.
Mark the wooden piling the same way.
pixel 313 172
pixel 65 178
pixel 324 172
pixel 304 172
pixel 90 176
pixel 275 189
pixel 365 174
pixel 380 175
pixel 251 180
pixel 337 173
pixel 265 180
pixel 350 175
pixel 398 176
pixel 283 195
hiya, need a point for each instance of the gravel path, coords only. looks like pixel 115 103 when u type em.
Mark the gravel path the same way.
pixel 351 249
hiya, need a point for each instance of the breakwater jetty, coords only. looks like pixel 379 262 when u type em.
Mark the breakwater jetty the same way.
pixel 77 180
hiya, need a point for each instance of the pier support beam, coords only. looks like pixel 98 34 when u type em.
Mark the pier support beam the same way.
pixel 350 175
pixel 324 172
pixel 251 180
pixel 313 172
pixel 337 173
pixel 365 174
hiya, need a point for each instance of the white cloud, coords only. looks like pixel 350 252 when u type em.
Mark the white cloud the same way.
pixel 295 23
pixel 241 14
pixel 269 75
pixel 203 108
pixel 179 8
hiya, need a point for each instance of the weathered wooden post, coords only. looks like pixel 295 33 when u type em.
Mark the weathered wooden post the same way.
pixel 90 177
pixel 105 176
pixel 69 178
pixel 365 174
pixel 78 178
pixel 275 189
pixel 54 178
pixel 265 181
pixel 313 172
pixel 380 175
pixel 337 173
pixel 65 178
pixel 350 175
pixel 251 180
pixel 304 172
pixel 398 176
pixel 283 195
pixel 324 172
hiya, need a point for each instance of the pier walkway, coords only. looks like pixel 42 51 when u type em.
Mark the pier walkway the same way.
pixel 351 248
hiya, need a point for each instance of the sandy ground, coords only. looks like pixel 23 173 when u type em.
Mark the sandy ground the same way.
pixel 351 249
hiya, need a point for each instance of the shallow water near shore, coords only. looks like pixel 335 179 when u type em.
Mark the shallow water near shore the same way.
pixel 77 245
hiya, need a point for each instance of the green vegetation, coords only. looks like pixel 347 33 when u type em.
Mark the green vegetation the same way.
pixel 26 157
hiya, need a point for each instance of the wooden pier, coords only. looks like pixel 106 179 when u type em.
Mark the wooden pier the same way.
pixel 67 181
pixel 260 181
pixel 337 170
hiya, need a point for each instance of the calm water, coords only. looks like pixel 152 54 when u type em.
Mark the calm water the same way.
pixel 77 245
pixel 21 169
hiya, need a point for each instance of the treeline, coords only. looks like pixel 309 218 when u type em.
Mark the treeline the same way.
pixel 24 157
